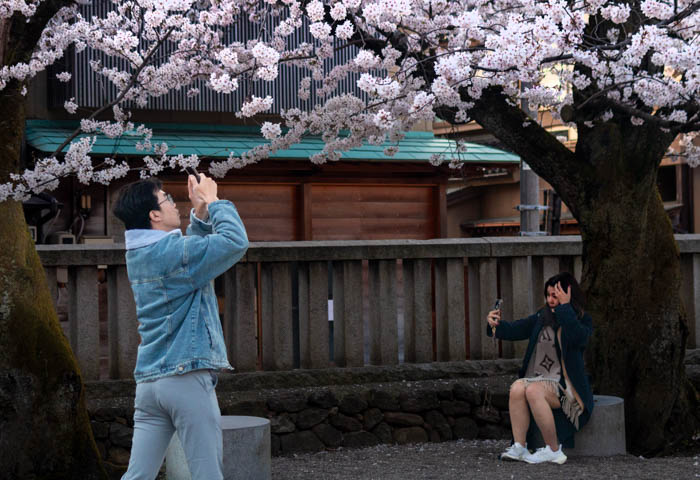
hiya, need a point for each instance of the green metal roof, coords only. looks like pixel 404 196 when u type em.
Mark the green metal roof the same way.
pixel 217 141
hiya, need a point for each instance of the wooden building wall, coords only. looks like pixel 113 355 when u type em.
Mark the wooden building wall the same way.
pixel 373 212
pixel 269 211
pixel 287 201
pixel 283 212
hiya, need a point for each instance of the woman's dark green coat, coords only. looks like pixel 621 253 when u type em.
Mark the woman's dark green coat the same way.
pixel 575 334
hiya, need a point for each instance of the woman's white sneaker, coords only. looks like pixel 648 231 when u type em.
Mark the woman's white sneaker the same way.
pixel 515 452
pixel 546 454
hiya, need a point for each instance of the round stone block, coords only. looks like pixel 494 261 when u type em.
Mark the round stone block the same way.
pixel 246 450
pixel 604 434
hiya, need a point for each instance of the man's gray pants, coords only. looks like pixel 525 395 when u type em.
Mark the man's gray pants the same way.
pixel 183 403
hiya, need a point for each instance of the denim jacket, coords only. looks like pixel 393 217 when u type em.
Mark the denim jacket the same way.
pixel 172 276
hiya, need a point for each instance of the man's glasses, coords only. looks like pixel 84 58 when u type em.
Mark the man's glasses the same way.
pixel 168 198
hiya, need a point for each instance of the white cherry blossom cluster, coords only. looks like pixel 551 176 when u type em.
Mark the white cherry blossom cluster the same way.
pixel 412 60
pixel 223 83
pixel 270 130
pixel 690 146
pixel 266 55
pixel 339 11
pixel 256 105
pixel 9 7
pixel 383 120
pixel 616 13
pixel 315 11
pixel 320 30
pixel 345 30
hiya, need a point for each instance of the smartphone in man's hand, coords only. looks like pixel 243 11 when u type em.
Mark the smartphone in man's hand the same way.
pixel 192 171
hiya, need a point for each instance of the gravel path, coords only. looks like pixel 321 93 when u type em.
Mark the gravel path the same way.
pixel 472 460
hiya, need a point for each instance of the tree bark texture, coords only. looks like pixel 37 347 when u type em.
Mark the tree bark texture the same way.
pixel 631 273
pixel 45 430
pixel 631 266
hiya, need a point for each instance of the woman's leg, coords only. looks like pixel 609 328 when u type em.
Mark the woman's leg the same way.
pixel 542 401
pixel 519 412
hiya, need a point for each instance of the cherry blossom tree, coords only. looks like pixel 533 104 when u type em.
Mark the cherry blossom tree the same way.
pixel 626 74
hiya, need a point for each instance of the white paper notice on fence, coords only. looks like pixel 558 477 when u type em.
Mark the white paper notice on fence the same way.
pixel 330 310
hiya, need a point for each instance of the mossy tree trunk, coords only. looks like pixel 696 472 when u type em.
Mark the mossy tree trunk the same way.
pixel 45 431
pixel 631 267
pixel 632 277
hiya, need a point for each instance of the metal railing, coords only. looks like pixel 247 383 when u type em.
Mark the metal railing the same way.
pixel 392 301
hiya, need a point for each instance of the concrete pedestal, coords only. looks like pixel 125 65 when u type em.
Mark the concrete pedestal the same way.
pixel 247 453
pixel 603 435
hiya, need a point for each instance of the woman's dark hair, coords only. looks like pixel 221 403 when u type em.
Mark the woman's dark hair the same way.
pixel 136 201
pixel 578 298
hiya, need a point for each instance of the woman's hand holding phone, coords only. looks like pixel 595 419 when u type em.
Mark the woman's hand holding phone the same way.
pixel 494 318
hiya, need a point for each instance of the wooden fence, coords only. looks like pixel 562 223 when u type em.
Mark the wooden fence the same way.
pixel 389 301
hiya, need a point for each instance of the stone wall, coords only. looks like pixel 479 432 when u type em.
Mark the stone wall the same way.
pixel 409 413
pixel 314 419
pixel 393 405
pixel 313 410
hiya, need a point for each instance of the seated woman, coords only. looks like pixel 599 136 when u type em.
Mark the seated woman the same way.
pixel 552 387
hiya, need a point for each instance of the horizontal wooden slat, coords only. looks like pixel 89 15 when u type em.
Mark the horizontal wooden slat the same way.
pixel 378 211
pixel 263 231
pixel 398 224
pixel 61 255
pixel 372 193
pixel 381 236
pixel 329 229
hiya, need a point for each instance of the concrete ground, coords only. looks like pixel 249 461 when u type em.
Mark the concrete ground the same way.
pixel 473 460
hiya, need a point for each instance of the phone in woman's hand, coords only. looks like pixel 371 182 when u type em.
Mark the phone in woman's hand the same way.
pixel 496 306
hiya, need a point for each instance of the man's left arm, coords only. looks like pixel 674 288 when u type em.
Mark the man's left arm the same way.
pixel 199 223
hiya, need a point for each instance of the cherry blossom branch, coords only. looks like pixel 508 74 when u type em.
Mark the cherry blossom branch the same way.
pixel 121 95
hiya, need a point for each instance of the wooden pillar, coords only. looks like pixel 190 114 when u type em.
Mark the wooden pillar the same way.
pixel 441 210
pixel 276 295
pixel 123 336
pixel 348 328
pixel 84 323
pixel 305 222
pixel 240 322
pixel 313 314
pixel 383 329
pixel 418 338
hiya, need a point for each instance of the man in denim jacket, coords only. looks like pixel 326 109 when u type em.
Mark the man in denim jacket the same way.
pixel 182 343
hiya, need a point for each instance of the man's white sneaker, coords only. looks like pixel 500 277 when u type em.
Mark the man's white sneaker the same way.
pixel 546 454
pixel 515 452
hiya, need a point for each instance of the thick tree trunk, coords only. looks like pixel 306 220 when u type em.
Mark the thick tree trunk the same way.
pixel 632 277
pixel 45 431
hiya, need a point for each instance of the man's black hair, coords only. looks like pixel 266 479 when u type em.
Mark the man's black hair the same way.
pixel 136 201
